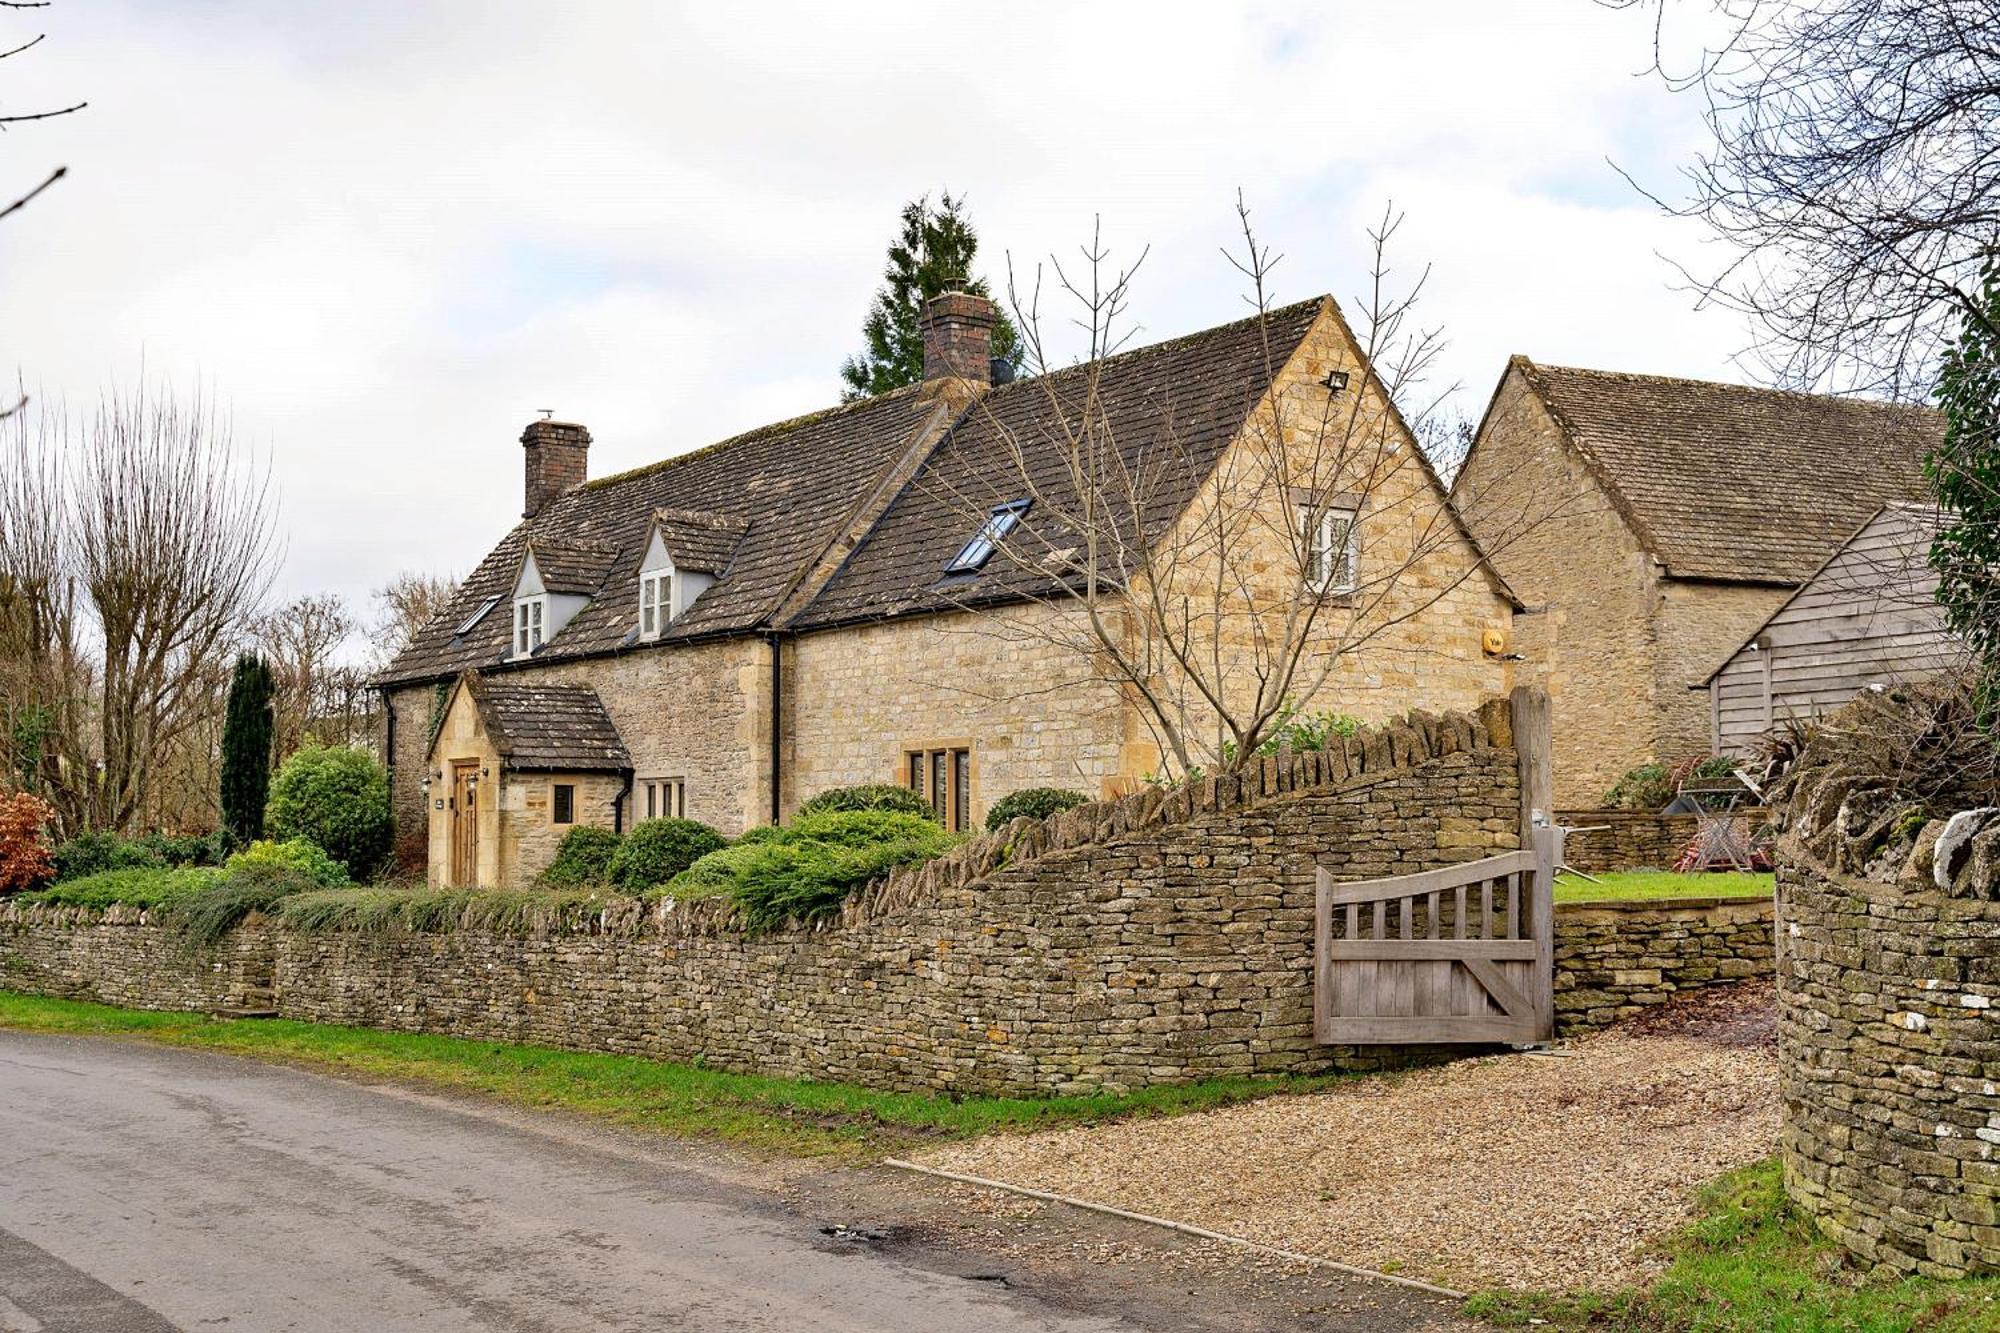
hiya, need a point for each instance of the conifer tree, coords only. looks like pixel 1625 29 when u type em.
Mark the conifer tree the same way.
pixel 933 253
pixel 247 729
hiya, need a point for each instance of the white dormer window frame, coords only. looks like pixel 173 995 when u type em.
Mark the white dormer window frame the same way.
pixel 656 602
pixel 530 620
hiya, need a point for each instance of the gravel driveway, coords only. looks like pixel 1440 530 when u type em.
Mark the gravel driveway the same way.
pixel 1509 1170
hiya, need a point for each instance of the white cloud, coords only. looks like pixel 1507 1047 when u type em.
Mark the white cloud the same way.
pixel 387 233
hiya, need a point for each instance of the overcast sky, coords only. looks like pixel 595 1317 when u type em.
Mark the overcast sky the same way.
pixel 388 232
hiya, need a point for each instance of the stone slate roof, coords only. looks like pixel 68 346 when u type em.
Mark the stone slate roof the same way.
pixel 571 567
pixel 760 509
pixel 789 487
pixel 1720 481
pixel 701 543
pixel 1176 404
pixel 548 727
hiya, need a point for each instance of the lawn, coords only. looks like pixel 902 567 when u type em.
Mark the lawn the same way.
pixel 1753 1264
pixel 1628 885
pixel 772 1114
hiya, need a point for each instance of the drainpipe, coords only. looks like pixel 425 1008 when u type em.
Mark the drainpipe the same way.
pixel 777 728
pixel 389 744
pixel 618 803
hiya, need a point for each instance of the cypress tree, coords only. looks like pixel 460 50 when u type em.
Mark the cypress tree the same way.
pixel 247 728
pixel 933 253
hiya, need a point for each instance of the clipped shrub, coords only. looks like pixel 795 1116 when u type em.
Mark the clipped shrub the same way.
pixel 806 870
pixel 658 849
pixel 26 859
pixel 205 916
pixel 1647 787
pixel 90 854
pixel 1032 803
pixel 338 797
pixel 584 858
pixel 299 855
pixel 133 886
pixel 873 796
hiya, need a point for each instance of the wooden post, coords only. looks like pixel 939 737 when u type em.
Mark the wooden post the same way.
pixel 1529 705
pixel 1548 845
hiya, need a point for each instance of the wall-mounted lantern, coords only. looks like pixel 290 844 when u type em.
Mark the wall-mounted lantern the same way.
pixel 1335 381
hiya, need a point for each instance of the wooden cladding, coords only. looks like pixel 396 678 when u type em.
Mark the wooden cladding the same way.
pixel 943 775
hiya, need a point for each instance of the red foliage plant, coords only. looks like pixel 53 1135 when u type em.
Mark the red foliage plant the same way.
pixel 26 859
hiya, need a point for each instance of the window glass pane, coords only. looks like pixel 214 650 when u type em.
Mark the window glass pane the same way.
pixel 939 791
pixel 961 790
pixel 565 803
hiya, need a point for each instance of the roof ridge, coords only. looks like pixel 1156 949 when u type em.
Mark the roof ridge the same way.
pixel 1178 342
pixel 1643 377
pixel 803 419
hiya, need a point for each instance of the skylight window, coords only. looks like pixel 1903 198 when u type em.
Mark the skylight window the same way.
pixel 1002 520
pixel 478 615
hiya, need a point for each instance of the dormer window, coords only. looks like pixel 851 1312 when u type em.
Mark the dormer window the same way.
pixel 656 602
pixel 529 617
pixel 1000 521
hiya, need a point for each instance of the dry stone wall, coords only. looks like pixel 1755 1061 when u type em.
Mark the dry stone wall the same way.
pixel 1890 1061
pixel 120 956
pixel 1615 958
pixel 1608 840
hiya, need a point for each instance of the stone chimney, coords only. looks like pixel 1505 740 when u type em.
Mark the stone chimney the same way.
pixel 558 458
pixel 958 337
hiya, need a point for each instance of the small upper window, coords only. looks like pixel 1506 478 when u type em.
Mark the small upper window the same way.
pixel 563 803
pixel 527 625
pixel 656 601
pixel 1328 541
pixel 478 615
pixel 999 522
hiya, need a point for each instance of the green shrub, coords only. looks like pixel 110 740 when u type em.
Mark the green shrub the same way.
pixel 300 855
pixel 584 858
pixel 1647 787
pixel 1032 803
pixel 186 849
pixel 1715 766
pixel 805 871
pixel 875 796
pixel 205 917
pixel 90 854
pixel 133 886
pixel 337 797
pixel 658 849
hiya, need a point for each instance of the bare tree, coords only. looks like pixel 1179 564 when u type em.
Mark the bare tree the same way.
pixel 404 605
pixel 302 641
pixel 45 113
pixel 1854 180
pixel 1221 587
pixel 138 550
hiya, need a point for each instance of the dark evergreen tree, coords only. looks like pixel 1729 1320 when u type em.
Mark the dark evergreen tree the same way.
pixel 932 254
pixel 247 728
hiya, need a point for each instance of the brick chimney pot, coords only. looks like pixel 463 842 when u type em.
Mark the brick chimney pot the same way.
pixel 958 337
pixel 558 456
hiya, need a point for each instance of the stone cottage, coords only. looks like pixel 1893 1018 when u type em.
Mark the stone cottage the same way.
pixel 886 592
pixel 1650 525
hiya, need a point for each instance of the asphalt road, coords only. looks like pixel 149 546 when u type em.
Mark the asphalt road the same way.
pixel 144 1189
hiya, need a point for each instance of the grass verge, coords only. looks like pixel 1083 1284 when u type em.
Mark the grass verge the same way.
pixel 1754 1264
pixel 771 1114
pixel 1635 885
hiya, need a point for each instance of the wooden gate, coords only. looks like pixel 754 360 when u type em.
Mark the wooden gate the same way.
pixel 1462 954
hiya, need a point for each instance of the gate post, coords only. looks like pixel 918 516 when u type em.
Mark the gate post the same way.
pixel 1529 705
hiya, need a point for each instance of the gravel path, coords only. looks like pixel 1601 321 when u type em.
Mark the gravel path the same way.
pixel 1510 1170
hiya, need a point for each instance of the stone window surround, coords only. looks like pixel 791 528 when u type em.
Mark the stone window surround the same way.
pixel 957 815
pixel 663 797
pixel 1310 502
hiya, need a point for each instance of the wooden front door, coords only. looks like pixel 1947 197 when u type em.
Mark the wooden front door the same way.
pixel 465 824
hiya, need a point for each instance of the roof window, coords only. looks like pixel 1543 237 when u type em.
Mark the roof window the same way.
pixel 478 615
pixel 1000 521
